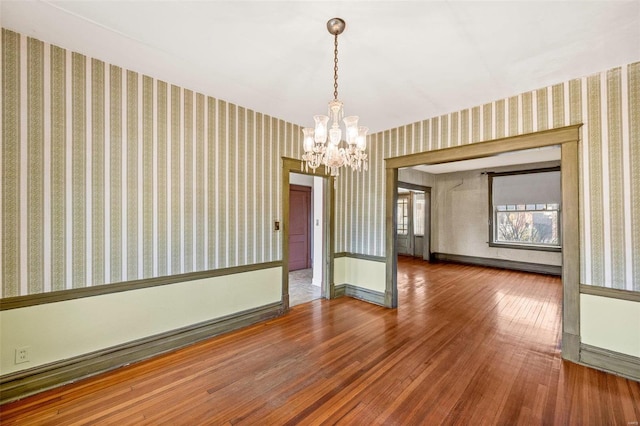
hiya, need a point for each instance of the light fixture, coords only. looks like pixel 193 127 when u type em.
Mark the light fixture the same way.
pixel 333 156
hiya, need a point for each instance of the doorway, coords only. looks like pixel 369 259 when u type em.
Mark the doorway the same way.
pixel 305 238
pixel 567 138
pixel 404 239
pixel 413 237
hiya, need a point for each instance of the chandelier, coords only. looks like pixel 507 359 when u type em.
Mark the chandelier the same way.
pixel 332 155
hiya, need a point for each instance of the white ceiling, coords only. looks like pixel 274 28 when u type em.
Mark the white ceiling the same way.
pixel 400 62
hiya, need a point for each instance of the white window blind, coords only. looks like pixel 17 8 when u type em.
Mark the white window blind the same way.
pixel 529 188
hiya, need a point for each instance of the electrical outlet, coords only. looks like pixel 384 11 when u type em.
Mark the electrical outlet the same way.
pixel 22 355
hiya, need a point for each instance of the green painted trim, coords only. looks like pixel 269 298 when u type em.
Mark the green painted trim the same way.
pixel 28 382
pixel 360 293
pixel 488 148
pixel 570 347
pixel 62 295
pixel 570 235
pixel 612 362
pixel 612 293
pixel 361 256
pixel 390 234
pixel 499 263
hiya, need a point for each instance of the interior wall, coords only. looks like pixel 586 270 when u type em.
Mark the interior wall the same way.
pixel 608 106
pixel 417 177
pixel 110 176
pixel 63 330
pixel 600 324
pixel 363 273
pixel 461 213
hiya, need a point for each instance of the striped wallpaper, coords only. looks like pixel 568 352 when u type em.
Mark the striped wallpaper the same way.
pixel 607 103
pixel 109 175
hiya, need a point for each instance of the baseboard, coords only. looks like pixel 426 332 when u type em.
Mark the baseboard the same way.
pixel 498 263
pixel 23 383
pixel 612 362
pixel 360 256
pixel 350 290
pixel 571 347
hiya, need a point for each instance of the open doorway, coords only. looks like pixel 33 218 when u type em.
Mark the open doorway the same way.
pixel 305 230
pixel 323 228
pixel 567 138
pixel 414 221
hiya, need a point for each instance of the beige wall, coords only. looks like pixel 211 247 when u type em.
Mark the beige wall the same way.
pixel 363 273
pixel 611 324
pixel 62 330
pixel 460 218
pixel 416 177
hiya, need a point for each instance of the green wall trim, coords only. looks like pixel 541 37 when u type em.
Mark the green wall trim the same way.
pixel 499 263
pixel 570 347
pixel 612 293
pixel 62 295
pixel 612 362
pixel 361 256
pixel 364 294
pixel 28 382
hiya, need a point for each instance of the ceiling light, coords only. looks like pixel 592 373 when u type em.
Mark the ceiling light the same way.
pixel 332 155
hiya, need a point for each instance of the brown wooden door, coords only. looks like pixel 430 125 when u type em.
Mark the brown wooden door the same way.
pixel 299 227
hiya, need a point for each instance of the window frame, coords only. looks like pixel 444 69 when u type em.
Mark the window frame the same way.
pixel 406 198
pixel 492 214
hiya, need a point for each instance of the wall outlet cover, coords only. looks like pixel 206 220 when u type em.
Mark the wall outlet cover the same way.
pixel 22 355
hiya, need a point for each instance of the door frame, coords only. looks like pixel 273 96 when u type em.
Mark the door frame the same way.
pixel 427 219
pixel 292 165
pixel 568 138
pixel 409 236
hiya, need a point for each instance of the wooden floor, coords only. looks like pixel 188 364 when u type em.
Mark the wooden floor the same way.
pixel 468 345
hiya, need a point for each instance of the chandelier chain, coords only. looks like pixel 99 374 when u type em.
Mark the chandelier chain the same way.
pixel 335 68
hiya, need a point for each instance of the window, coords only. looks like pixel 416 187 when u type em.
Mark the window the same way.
pixel 418 213
pixel 403 215
pixel 525 209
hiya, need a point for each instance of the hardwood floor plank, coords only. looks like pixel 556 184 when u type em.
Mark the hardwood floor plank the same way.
pixel 467 345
